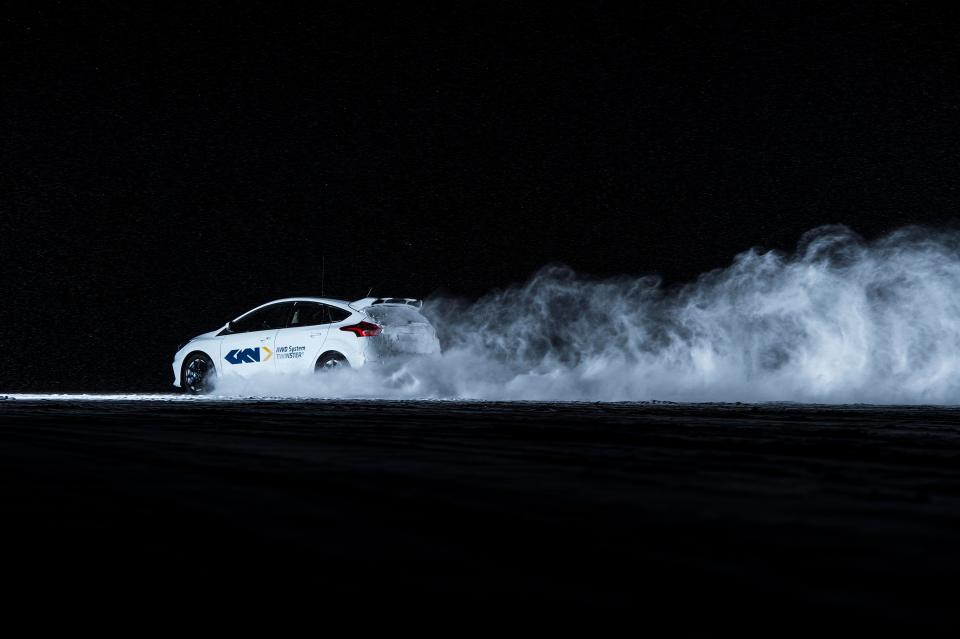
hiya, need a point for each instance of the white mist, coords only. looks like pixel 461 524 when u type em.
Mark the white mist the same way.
pixel 840 320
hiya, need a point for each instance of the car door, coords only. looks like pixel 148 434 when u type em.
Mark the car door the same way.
pixel 301 342
pixel 249 348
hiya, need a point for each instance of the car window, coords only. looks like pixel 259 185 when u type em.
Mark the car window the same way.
pixel 338 314
pixel 264 319
pixel 315 313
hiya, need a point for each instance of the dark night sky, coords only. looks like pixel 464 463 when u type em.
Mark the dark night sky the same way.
pixel 161 171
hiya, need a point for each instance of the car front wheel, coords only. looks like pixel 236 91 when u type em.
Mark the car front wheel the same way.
pixel 198 374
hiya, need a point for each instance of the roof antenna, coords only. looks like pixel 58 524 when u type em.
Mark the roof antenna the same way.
pixel 369 291
pixel 323 270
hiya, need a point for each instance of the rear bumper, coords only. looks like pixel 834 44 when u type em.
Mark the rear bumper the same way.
pixel 382 349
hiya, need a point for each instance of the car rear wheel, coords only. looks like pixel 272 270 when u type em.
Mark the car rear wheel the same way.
pixel 198 374
pixel 330 362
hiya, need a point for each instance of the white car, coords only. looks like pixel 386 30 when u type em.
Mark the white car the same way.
pixel 304 335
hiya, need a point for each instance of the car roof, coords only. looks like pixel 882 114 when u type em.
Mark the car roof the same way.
pixel 354 307
pixel 324 300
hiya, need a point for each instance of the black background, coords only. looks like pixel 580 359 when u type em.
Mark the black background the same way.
pixel 163 169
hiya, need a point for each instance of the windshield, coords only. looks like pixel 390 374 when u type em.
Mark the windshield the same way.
pixel 390 315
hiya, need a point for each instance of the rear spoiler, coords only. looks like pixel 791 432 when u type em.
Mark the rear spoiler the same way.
pixel 370 301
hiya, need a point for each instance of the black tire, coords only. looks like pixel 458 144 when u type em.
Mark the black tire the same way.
pixel 330 362
pixel 198 374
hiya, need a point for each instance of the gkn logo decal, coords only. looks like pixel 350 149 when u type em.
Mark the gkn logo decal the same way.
pixel 248 355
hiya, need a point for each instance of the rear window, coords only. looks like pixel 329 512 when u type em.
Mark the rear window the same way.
pixel 314 313
pixel 395 315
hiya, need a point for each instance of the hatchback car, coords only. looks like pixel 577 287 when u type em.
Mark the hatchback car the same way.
pixel 305 335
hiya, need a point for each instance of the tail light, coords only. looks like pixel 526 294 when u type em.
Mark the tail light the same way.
pixel 363 329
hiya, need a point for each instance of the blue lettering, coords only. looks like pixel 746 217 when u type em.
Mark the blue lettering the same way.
pixel 243 356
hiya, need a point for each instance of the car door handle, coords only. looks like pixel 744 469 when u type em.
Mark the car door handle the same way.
pixel 264 339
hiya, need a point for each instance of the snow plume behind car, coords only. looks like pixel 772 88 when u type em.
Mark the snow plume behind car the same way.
pixel 838 320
